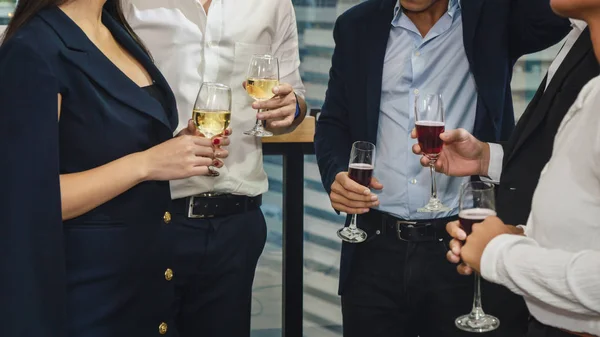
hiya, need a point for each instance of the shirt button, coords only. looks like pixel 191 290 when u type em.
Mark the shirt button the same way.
pixel 167 217
pixel 416 91
pixel 413 181
pixel 211 44
pixel 169 274
pixel 162 328
pixel 418 54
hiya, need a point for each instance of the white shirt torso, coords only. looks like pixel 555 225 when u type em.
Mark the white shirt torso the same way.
pixel 496 150
pixel 191 47
pixel 557 266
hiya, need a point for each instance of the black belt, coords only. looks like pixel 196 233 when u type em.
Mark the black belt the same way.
pixel 379 223
pixel 210 205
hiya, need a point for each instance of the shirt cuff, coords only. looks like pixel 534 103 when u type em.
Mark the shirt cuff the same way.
pixel 495 165
pixel 491 264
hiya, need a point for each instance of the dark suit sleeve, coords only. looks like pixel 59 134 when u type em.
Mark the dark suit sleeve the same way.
pixel 32 286
pixel 332 138
pixel 533 27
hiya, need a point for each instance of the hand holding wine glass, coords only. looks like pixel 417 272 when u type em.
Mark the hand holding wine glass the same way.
pixel 262 77
pixel 212 116
pixel 477 203
pixel 360 171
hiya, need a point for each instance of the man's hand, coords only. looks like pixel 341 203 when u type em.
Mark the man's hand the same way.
pixel 279 112
pixel 462 154
pixel 350 197
pixel 475 243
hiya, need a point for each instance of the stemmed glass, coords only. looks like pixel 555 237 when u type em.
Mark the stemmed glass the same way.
pixel 360 169
pixel 262 77
pixel 212 112
pixel 476 203
pixel 429 122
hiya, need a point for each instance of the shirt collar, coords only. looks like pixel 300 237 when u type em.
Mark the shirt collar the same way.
pixel 453 6
pixel 579 24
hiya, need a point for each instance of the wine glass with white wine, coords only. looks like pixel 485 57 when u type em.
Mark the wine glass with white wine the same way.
pixel 263 76
pixel 212 112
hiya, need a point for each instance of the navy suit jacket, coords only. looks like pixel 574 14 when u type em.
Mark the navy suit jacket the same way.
pixel 49 268
pixel 495 34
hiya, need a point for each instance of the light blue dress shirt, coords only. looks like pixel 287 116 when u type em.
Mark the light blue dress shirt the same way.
pixel 436 63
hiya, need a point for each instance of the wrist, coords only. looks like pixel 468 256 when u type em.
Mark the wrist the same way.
pixel 139 165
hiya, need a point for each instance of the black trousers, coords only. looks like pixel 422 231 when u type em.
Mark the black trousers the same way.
pixel 537 329
pixel 215 262
pixel 405 289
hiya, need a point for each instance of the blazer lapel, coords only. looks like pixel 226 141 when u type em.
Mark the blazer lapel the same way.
pixel 581 47
pixel 378 35
pixel 89 59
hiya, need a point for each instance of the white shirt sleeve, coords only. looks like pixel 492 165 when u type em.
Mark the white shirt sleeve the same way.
pixel 565 281
pixel 495 165
pixel 286 49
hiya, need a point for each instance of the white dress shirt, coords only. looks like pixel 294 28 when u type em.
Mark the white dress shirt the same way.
pixel 556 266
pixel 191 47
pixel 496 150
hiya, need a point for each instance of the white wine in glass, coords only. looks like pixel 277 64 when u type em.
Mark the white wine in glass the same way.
pixel 212 112
pixel 263 76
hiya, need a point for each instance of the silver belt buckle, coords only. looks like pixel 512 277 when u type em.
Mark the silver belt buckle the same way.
pixel 399 231
pixel 191 214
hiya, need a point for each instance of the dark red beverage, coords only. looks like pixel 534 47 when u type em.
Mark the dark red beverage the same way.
pixel 428 133
pixel 361 173
pixel 468 217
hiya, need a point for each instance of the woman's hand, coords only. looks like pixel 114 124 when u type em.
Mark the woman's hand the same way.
pixel 178 158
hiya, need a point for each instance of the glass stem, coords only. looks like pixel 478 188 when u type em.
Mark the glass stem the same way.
pixel 259 123
pixel 433 183
pixel 353 222
pixel 477 311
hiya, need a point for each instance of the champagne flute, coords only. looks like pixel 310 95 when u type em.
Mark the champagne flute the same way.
pixel 262 77
pixel 476 203
pixel 360 169
pixel 429 122
pixel 212 112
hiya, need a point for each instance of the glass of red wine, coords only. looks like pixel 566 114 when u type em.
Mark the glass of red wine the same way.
pixel 476 203
pixel 360 169
pixel 429 122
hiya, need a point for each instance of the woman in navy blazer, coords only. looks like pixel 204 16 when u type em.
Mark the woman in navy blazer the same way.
pixel 86 125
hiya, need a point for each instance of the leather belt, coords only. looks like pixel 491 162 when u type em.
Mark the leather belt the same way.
pixel 380 223
pixel 544 326
pixel 211 205
pixel 577 333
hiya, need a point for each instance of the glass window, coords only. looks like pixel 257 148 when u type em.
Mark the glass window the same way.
pixel 6 9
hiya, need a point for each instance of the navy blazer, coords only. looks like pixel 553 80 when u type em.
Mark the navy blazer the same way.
pixel 495 34
pixel 101 274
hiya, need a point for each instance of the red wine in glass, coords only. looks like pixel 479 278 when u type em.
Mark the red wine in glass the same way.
pixel 428 133
pixel 361 173
pixel 468 217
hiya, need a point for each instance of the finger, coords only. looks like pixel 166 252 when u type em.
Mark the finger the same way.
pixel 228 132
pixel 452 258
pixel 200 170
pixel 425 161
pixel 339 189
pixel 282 123
pixel 203 151
pixel 244 85
pixel 217 163
pixel 352 186
pixel 278 112
pixel 202 141
pixel 454 136
pixel 283 89
pixel 203 161
pixel 192 129
pixel 363 194
pixel 221 141
pixel 375 184
pixel 416 149
pixel 340 199
pixel 348 210
pixel 455 247
pixel 413 133
pixel 222 154
pixel 463 269
pixel 453 228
